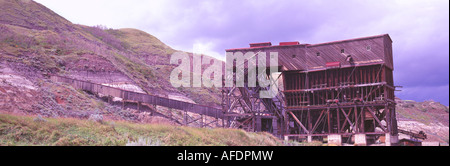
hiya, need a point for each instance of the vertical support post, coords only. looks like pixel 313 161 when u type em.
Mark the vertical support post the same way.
pixel 201 121
pixel 274 126
pixel 394 127
pixel 307 87
pixel 185 118
pixel 138 105
pixel 253 123
pixel 170 113
pixel 286 123
pixel 258 123
pixel 217 122
pixel 363 119
pixel 154 109
pixel 329 120
pixel 356 127
pixel 388 118
pixel 338 121
pixel 309 121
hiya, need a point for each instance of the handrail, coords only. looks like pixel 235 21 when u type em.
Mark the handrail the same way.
pixel 140 97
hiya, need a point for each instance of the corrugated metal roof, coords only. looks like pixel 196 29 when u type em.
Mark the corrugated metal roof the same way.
pixel 359 51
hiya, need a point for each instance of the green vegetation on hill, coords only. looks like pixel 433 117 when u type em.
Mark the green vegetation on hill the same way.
pixel 425 112
pixel 27 130
pixel 37 37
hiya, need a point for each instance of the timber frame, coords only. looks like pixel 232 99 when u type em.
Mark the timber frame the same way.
pixel 340 88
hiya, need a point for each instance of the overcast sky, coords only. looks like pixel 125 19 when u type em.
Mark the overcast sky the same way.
pixel 419 29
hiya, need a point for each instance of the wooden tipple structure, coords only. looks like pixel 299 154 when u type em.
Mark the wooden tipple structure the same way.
pixel 339 92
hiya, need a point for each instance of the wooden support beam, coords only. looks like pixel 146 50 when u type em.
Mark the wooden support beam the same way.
pixel 286 122
pixel 247 120
pixel 208 124
pixel 309 120
pixel 318 107
pixel 300 123
pixel 388 118
pixel 201 121
pixel 356 128
pixel 337 87
pixel 317 122
pixel 155 109
pixel 138 106
pixel 338 121
pixel 370 93
pixel 329 120
pixel 376 118
pixel 363 119
pixel 193 120
pixel 347 119
pixel 185 118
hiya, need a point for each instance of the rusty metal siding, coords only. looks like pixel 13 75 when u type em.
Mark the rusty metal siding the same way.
pixel 289 43
pixel 333 64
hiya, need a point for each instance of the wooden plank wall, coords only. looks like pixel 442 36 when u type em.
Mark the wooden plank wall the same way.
pixel 344 84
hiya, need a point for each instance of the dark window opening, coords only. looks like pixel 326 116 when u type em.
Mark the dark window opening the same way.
pixel 342 50
pixel 266 125
pixel 318 54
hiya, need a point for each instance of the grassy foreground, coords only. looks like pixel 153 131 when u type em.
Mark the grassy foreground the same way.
pixel 28 130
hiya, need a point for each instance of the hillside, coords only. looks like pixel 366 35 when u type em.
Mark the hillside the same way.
pixel 35 42
pixel 26 130
pixel 428 116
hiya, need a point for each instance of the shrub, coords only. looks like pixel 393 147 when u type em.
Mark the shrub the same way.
pixel 55 136
pixel 145 142
pixel 63 141
pixel 71 141
pixel 102 34
pixel 39 119
pixel 79 142
pixel 96 118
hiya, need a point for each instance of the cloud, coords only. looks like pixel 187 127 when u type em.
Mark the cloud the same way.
pixel 419 28
pixel 206 48
pixel 422 93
